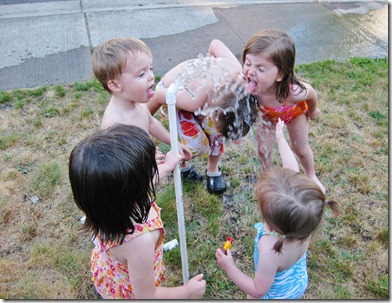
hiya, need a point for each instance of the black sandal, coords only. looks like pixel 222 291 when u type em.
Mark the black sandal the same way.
pixel 191 175
pixel 216 185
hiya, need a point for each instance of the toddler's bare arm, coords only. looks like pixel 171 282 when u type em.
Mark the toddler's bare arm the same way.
pixel 286 154
pixel 218 49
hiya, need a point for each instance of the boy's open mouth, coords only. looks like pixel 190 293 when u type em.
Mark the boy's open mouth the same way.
pixel 150 92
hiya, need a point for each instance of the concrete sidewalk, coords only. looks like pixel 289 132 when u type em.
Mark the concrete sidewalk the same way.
pixel 46 43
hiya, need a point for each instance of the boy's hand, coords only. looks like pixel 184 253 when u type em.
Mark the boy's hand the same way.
pixel 313 116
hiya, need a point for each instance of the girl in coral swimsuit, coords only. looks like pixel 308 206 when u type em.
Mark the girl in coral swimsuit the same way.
pixel 268 59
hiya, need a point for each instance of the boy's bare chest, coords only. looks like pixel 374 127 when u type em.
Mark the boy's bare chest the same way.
pixel 138 118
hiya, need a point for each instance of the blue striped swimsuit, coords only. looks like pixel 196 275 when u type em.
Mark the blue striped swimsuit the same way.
pixel 290 283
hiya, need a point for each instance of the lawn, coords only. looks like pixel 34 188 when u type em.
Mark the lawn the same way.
pixel 44 255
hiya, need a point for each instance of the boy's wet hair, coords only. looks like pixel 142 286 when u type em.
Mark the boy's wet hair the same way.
pixel 236 112
pixel 280 48
pixel 291 204
pixel 109 59
pixel 111 175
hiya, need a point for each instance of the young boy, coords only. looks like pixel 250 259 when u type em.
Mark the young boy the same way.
pixel 124 66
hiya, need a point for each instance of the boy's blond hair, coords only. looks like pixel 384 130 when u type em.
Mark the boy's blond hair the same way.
pixel 109 59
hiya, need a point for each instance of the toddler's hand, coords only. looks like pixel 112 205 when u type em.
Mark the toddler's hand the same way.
pixel 313 116
pixel 197 287
pixel 172 159
pixel 279 129
pixel 224 261
pixel 159 156
pixel 185 151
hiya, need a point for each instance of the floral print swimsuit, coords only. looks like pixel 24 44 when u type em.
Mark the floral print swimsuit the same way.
pixel 111 277
pixel 285 113
pixel 197 132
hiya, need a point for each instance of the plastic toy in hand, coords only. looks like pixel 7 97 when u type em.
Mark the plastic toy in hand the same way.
pixel 227 245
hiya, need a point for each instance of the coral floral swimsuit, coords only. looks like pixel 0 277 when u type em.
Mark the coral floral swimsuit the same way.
pixel 111 277
pixel 285 113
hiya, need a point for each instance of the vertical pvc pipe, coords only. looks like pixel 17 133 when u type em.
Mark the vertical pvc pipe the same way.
pixel 171 105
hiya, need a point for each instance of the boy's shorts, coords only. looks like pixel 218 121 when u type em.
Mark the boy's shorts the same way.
pixel 197 132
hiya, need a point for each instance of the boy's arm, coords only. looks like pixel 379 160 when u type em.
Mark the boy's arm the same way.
pixel 193 100
pixel 157 130
pixel 157 100
pixel 184 99
pixel 286 154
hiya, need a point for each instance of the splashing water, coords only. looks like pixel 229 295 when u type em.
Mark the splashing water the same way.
pixel 226 100
pixel 266 126
pixel 199 73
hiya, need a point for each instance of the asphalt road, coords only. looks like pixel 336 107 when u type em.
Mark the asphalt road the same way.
pixel 51 42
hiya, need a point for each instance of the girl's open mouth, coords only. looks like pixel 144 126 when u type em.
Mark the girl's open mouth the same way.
pixel 250 87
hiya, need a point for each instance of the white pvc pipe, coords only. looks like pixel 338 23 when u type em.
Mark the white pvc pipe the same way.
pixel 171 106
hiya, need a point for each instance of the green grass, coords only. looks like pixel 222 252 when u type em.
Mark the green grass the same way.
pixel 46 256
pixel 46 178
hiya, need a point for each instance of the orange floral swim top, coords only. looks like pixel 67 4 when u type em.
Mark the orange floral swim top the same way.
pixel 285 113
pixel 111 277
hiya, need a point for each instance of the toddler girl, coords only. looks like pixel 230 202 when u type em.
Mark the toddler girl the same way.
pixel 112 175
pixel 291 206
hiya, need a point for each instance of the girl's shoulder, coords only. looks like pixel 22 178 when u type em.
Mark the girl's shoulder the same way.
pixel 292 249
pixel 292 252
pixel 266 250
pixel 299 92
pixel 300 86
pixel 141 244
pixel 267 239
pixel 153 222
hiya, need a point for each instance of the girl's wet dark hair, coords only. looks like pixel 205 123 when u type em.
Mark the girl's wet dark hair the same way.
pixel 111 175
pixel 236 113
pixel 291 204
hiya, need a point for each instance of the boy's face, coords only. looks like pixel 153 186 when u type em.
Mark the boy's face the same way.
pixel 137 78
